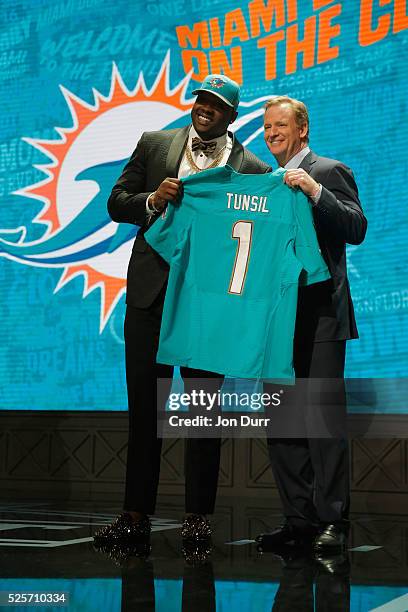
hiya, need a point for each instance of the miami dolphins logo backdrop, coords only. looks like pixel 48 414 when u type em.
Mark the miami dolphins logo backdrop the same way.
pixel 81 83
pixel 79 237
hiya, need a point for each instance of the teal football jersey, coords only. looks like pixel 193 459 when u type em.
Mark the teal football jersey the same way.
pixel 238 245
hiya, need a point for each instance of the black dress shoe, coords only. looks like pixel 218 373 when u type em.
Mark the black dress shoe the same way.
pixel 331 540
pixel 285 535
pixel 334 565
pixel 288 555
pixel 196 528
pixel 124 530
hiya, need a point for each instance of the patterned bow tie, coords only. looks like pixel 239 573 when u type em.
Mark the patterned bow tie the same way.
pixel 206 147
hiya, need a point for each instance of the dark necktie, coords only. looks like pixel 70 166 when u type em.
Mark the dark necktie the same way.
pixel 205 147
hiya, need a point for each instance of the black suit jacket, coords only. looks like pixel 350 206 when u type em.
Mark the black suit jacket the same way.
pixel 157 156
pixel 326 309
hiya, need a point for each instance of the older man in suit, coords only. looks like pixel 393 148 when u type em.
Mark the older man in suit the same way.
pixel 148 182
pixel 312 473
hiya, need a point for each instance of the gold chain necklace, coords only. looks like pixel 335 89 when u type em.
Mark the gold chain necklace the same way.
pixel 196 168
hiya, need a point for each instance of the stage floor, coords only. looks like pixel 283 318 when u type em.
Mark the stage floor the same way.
pixel 46 548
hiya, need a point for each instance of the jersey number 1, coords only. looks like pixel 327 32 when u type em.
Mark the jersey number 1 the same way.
pixel 242 230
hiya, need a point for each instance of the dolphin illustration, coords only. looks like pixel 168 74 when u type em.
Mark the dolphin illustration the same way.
pixel 87 235
pixel 78 240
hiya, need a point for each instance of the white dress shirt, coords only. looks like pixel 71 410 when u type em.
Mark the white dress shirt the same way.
pixel 201 159
pixel 204 160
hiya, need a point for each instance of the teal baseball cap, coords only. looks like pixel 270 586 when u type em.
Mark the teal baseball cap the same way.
pixel 221 86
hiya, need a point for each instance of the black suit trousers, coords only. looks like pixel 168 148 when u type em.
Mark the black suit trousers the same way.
pixel 311 469
pixel 202 456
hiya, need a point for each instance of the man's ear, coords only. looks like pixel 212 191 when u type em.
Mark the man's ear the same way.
pixel 303 130
pixel 233 116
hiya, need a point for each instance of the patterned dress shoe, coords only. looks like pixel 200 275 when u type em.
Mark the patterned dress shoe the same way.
pixel 331 540
pixel 286 535
pixel 123 530
pixel 197 553
pixel 195 528
pixel 122 553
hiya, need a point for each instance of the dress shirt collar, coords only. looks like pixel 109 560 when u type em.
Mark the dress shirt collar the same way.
pixel 297 159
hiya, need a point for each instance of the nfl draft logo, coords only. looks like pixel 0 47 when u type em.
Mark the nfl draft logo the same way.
pixel 83 163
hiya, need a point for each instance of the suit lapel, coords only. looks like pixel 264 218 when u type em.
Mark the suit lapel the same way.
pixel 176 151
pixel 309 165
pixel 308 162
pixel 237 155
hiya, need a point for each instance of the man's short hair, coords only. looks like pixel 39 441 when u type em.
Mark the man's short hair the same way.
pixel 299 109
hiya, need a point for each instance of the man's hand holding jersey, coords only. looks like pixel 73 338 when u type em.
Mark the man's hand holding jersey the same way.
pixel 297 177
pixel 169 190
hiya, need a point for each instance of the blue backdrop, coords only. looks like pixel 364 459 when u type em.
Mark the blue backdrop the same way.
pixel 82 79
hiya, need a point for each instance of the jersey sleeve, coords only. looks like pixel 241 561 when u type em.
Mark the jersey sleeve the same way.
pixel 167 231
pixel 307 250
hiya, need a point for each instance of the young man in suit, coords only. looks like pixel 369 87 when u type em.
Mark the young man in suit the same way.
pixel 148 182
pixel 312 473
